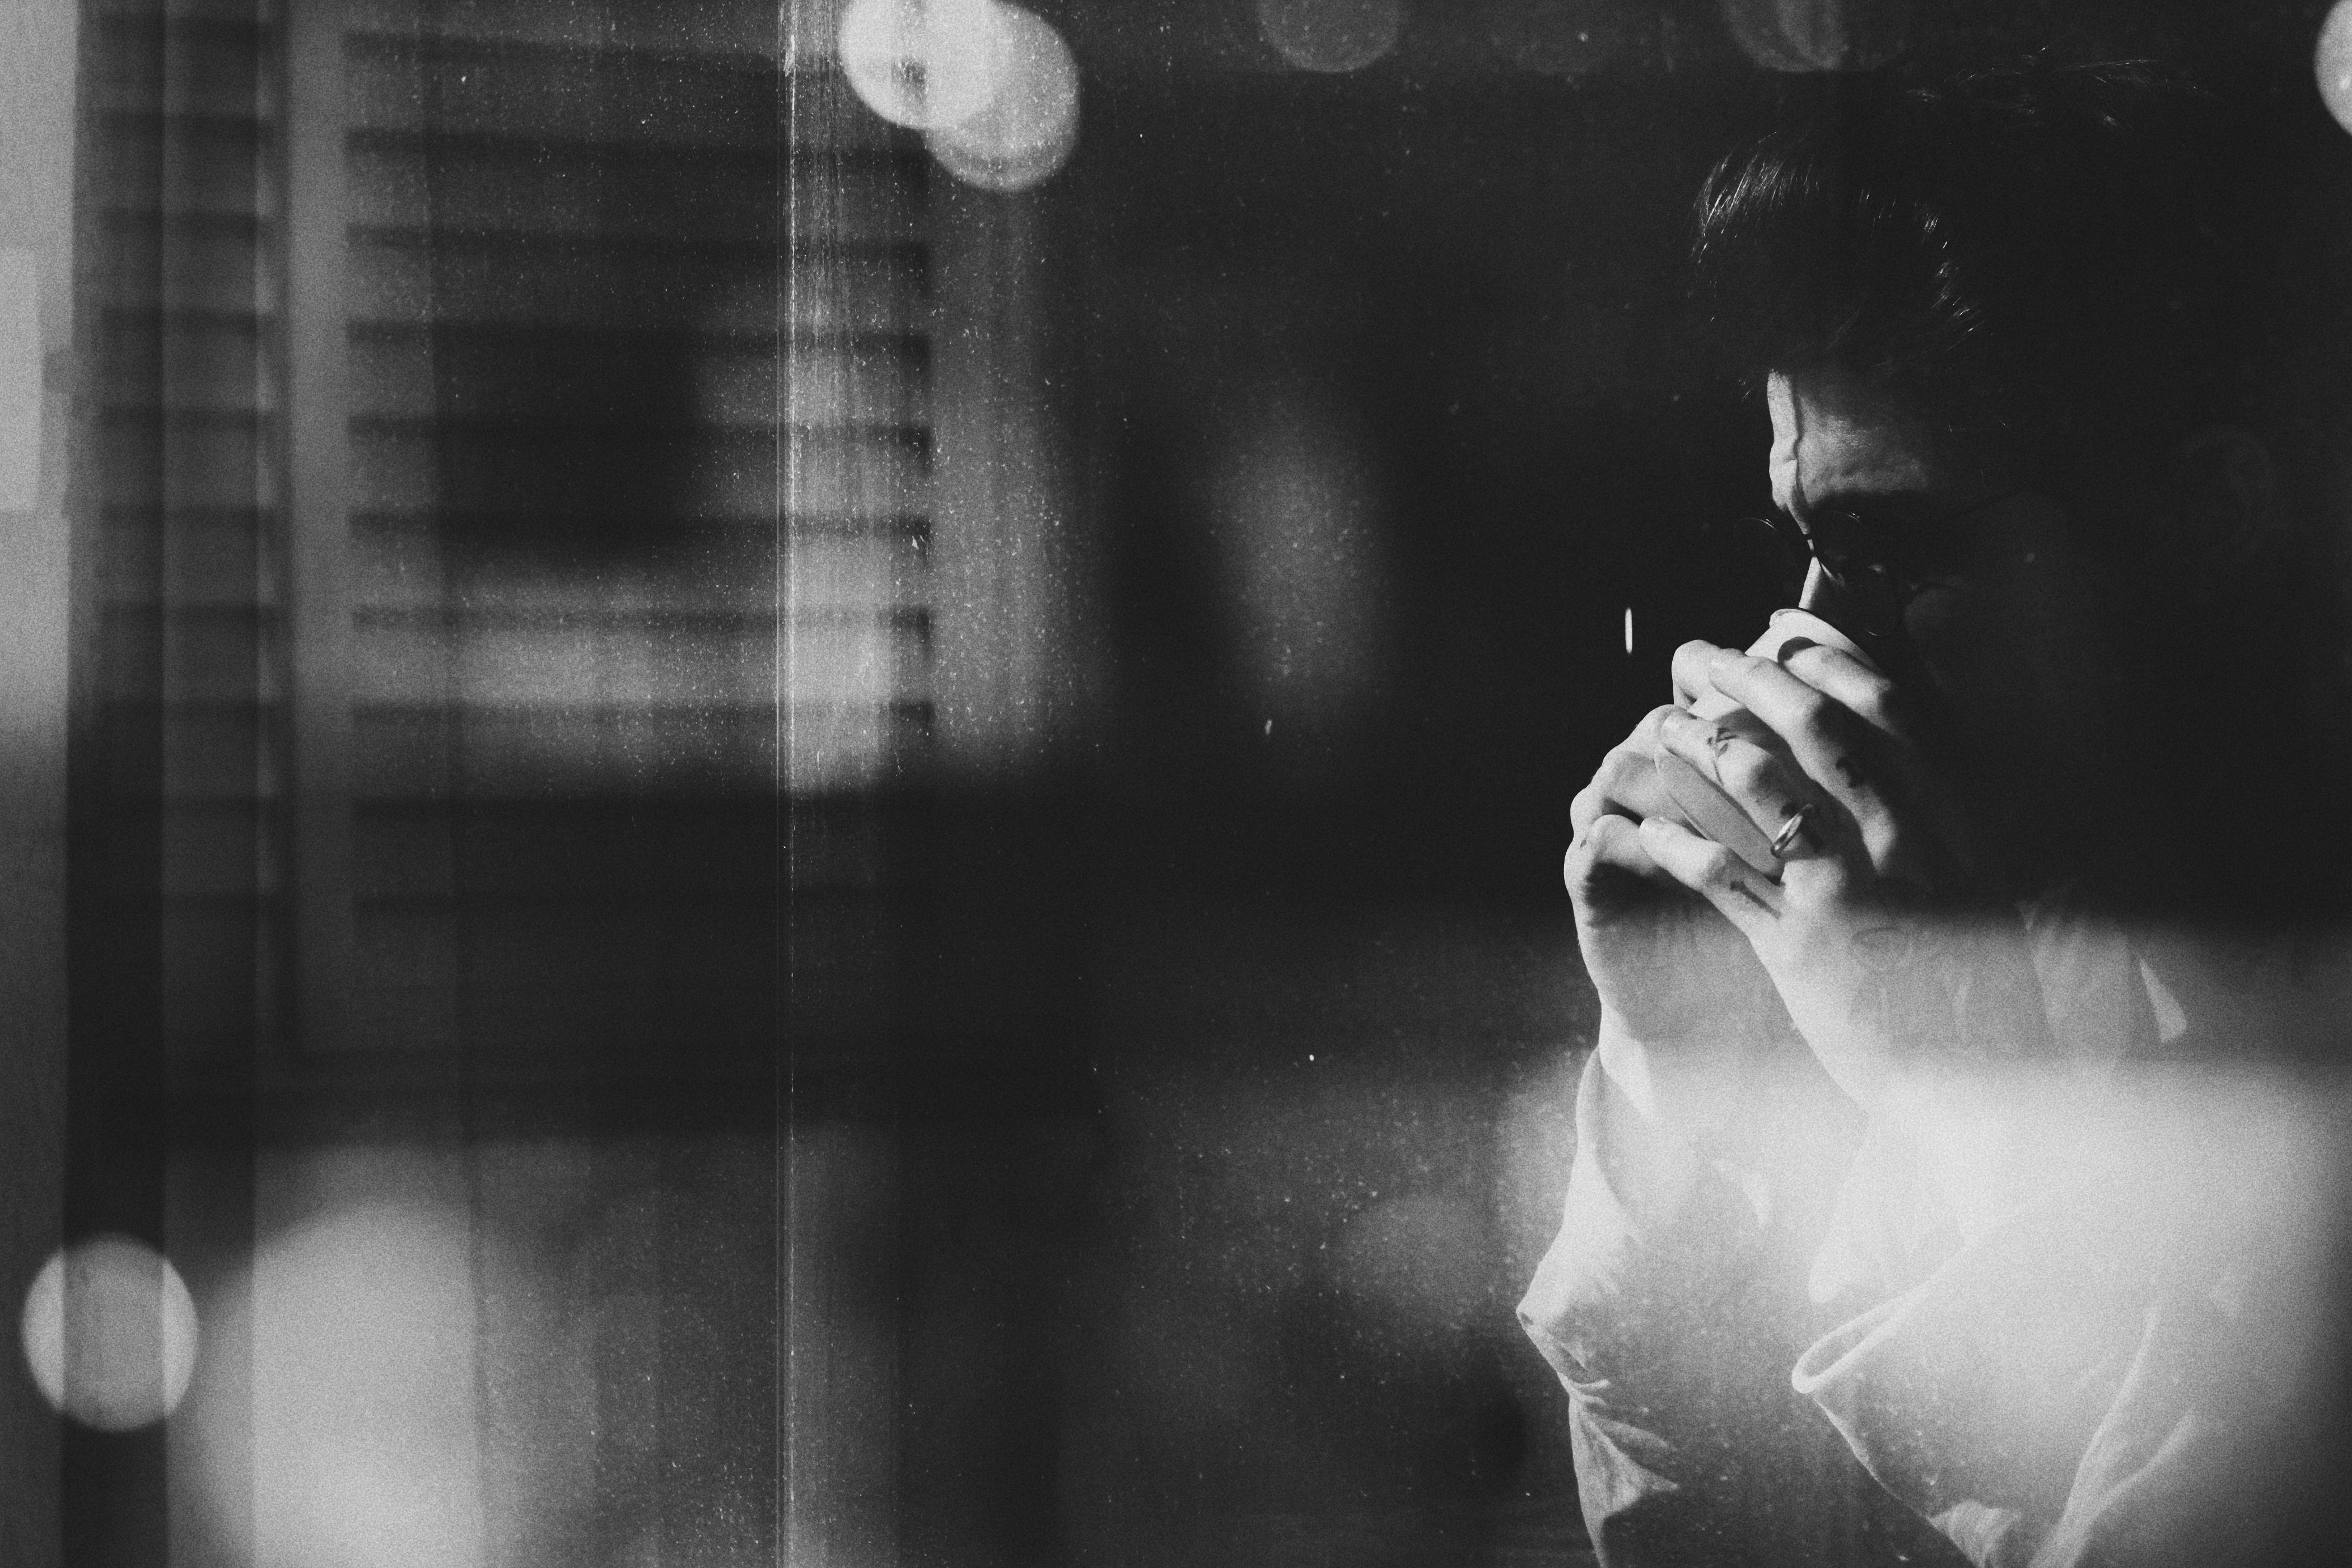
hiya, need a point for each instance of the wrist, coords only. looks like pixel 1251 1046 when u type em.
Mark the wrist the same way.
pixel 1688 1086
pixel 1750 1106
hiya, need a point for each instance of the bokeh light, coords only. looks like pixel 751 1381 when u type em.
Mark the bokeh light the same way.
pixel 1557 37
pixel 1331 34
pixel 924 63
pixel 1817 35
pixel 364 1414
pixel 1029 127
pixel 2334 63
pixel 110 1332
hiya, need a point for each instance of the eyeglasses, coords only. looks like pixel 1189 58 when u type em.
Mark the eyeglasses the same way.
pixel 1884 556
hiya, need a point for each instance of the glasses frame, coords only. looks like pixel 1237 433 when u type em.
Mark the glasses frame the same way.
pixel 1880 567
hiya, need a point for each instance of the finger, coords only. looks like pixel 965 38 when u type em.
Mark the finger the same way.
pixel 1690 667
pixel 1713 872
pixel 1829 742
pixel 1846 680
pixel 1885 708
pixel 1625 784
pixel 1767 788
pixel 1607 864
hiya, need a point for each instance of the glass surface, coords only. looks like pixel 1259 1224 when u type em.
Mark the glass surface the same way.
pixel 820 753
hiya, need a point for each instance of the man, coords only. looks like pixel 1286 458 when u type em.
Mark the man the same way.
pixel 1928 1206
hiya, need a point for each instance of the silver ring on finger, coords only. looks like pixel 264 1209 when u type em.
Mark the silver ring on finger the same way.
pixel 1792 830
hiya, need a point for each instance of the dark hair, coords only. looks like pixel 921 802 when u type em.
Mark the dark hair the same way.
pixel 2026 257
pixel 2064 272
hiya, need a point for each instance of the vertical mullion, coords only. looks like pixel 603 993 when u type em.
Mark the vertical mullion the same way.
pixel 111 1499
pixel 317 516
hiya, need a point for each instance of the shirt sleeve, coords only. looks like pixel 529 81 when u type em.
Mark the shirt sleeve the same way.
pixel 1672 1305
pixel 2119 1371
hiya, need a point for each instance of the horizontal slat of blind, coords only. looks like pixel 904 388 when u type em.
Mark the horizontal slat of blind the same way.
pixel 402 276
pixel 194 165
pixel 212 262
pixel 202 459
pixel 873 476
pixel 496 186
pixel 169 13
pixel 485 373
pixel 742 29
pixel 183 64
pixel 691 570
pixel 190 557
pixel 564 93
pixel 189 362
pixel 617 659
pixel 206 655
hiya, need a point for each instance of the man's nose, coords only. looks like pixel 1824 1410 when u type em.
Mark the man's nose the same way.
pixel 1824 594
pixel 1866 609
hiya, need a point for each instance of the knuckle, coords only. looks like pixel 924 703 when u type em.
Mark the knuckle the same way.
pixel 1581 868
pixel 1812 712
pixel 1748 769
pixel 1799 658
pixel 1620 763
pixel 1713 866
pixel 1882 709
pixel 1598 861
pixel 1822 891
pixel 1590 846
pixel 1606 839
pixel 1887 849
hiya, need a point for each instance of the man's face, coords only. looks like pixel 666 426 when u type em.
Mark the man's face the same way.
pixel 2005 614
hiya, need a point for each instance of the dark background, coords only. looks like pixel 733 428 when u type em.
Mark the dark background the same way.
pixel 1129 1157
pixel 1302 950
pixel 1309 948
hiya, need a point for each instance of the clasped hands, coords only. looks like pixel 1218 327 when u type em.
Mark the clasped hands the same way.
pixel 1893 957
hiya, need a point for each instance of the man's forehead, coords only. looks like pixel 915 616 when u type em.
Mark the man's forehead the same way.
pixel 1832 438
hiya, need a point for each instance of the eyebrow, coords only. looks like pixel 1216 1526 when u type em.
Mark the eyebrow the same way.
pixel 1857 491
pixel 1844 497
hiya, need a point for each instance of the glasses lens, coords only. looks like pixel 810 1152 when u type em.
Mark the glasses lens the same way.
pixel 1862 560
pixel 1842 543
pixel 1793 551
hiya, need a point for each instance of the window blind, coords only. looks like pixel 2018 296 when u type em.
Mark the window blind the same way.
pixel 514 606
pixel 179 853
pixel 633 559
